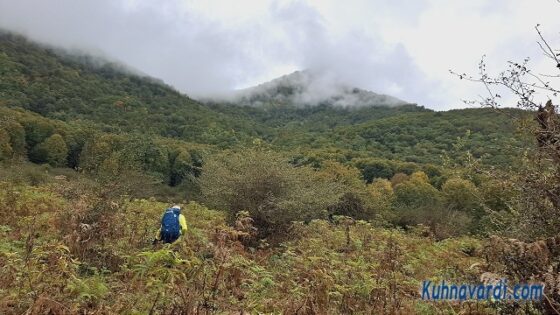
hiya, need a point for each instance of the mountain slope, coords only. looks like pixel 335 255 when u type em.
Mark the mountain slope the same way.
pixel 98 93
pixel 55 85
pixel 310 88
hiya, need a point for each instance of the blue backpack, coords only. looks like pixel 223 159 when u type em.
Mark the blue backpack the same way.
pixel 170 228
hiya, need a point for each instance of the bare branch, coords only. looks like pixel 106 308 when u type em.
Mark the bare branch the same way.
pixel 550 50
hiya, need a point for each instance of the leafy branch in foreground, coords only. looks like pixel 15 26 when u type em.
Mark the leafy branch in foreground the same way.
pixel 536 208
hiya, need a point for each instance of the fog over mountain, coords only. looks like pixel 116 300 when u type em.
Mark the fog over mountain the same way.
pixel 203 48
pixel 309 88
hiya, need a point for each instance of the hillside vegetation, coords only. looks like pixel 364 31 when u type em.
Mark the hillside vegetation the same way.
pixel 102 247
pixel 97 93
pixel 291 209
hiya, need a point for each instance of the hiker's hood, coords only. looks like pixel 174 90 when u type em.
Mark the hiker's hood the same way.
pixel 176 209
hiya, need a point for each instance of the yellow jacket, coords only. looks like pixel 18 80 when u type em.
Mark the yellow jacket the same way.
pixel 182 223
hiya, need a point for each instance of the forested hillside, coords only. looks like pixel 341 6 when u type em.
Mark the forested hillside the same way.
pixel 69 88
pixel 292 209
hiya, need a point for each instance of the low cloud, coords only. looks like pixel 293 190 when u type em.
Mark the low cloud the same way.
pixel 203 56
pixel 211 47
pixel 307 88
pixel 195 55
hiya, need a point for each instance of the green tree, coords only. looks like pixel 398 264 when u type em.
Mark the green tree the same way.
pixel 181 167
pixel 382 195
pixel 37 129
pixel 76 137
pixel 419 177
pixel 417 192
pixel 356 201
pixel 418 202
pixel 53 151
pixel 6 151
pixel 461 195
pixel 264 183
pixel 376 169
pixel 97 150
pixel 498 195
pixel 141 153
pixel 16 133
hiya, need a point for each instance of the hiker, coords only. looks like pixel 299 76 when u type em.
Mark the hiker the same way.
pixel 173 225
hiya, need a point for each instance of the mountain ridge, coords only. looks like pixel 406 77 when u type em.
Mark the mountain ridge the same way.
pixel 309 88
pixel 38 80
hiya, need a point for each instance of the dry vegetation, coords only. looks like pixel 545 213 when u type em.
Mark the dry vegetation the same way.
pixel 69 249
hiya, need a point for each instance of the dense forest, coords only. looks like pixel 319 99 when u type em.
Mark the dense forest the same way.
pixel 293 209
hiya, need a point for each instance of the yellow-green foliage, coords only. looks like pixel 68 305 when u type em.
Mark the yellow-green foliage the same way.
pixel 461 194
pixel 72 249
pixel 365 269
pixel 6 150
pixel 381 194
pixel 53 151
pixel 264 183
pixel 28 208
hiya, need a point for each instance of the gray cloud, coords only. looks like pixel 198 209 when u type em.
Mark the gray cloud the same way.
pixel 304 88
pixel 353 58
pixel 192 54
pixel 203 56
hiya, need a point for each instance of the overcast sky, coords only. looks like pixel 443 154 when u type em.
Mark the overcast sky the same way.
pixel 399 47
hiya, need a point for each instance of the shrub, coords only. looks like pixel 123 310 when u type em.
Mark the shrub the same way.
pixel 399 178
pixel 460 194
pixel 53 151
pixel 268 187
pixel 381 196
pixel 6 151
pixel 417 192
pixel 376 169
pixel 356 202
